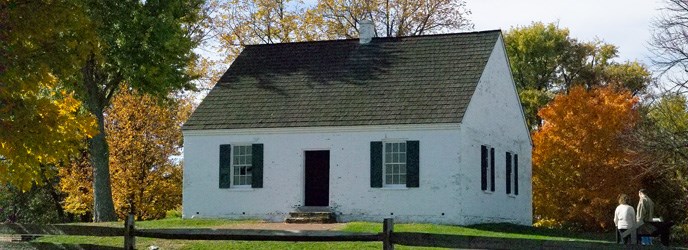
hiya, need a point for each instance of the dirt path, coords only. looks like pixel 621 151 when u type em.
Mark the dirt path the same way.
pixel 285 226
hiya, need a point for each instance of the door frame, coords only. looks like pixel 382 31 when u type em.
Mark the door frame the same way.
pixel 303 169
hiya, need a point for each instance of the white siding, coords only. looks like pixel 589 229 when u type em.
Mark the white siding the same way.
pixel 494 118
pixel 350 193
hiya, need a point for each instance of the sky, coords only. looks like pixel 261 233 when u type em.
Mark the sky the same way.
pixel 624 23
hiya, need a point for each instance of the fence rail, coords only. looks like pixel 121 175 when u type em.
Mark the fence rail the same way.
pixel 251 235
pixel 387 237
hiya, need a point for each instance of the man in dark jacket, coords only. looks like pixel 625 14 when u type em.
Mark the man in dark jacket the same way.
pixel 644 214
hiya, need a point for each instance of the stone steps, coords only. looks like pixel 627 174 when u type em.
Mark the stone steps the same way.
pixel 18 237
pixel 312 215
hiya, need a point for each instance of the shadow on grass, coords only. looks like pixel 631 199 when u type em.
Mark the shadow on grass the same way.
pixel 520 229
pixel 52 246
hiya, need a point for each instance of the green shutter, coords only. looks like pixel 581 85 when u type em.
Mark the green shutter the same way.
pixel 376 164
pixel 257 166
pixel 412 164
pixel 515 174
pixel 508 173
pixel 492 169
pixel 225 165
pixel 483 167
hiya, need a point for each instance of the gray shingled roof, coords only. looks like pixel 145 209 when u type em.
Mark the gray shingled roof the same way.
pixel 407 80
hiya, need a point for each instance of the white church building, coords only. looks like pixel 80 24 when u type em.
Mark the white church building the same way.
pixel 420 129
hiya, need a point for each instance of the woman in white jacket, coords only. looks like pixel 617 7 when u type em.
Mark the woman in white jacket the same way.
pixel 624 218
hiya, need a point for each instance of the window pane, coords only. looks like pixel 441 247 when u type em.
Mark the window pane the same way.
pixel 402 168
pixel 388 179
pixel 402 147
pixel 402 157
pixel 402 179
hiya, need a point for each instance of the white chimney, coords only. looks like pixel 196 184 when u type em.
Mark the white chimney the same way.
pixel 366 30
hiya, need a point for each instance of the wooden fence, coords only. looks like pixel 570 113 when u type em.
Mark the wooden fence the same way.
pixel 388 237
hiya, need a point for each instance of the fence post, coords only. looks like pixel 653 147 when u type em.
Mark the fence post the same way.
pixel 129 237
pixel 387 230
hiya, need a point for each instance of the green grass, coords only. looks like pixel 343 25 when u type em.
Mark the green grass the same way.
pixel 501 230
pixel 485 230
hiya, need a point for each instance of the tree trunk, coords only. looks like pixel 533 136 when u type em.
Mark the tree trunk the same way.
pixel 103 207
pixel 49 186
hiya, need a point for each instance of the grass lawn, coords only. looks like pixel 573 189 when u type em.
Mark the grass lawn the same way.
pixel 486 230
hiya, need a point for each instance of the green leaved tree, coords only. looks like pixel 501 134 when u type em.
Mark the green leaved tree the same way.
pixel 148 45
pixel 546 60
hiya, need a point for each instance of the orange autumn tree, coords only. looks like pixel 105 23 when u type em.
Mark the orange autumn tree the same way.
pixel 579 158
pixel 144 135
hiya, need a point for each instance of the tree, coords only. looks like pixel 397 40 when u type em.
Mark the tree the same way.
pixel 536 54
pixel 41 123
pixel 145 135
pixel 393 18
pixel 545 61
pixel 146 44
pixel 245 22
pixel 35 205
pixel 662 142
pixel 670 44
pixel 580 157
pixel 76 181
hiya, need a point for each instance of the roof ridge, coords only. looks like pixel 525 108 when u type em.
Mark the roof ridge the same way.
pixel 380 38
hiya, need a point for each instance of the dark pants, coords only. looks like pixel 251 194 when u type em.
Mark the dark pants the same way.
pixel 625 240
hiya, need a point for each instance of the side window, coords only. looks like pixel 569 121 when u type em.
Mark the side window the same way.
pixel 515 174
pixel 511 173
pixel 509 176
pixel 487 168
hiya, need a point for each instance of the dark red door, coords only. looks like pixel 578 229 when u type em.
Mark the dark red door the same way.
pixel 318 178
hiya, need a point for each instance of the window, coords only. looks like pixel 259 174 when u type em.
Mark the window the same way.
pixel 511 173
pixel 394 162
pixel 487 168
pixel 241 165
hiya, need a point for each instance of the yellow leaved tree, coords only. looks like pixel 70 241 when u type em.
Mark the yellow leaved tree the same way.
pixel 41 124
pixel 580 158
pixel 144 135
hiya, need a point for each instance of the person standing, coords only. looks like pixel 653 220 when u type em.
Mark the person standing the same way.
pixel 645 209
pixel 624 219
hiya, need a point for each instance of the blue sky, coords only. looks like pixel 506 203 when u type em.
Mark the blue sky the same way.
pixel 624 23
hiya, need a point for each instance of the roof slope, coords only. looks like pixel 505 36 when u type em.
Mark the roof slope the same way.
pixel 407 80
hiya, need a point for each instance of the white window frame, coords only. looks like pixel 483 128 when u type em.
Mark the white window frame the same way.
pixel 384 164
pixel 490 169
pixel 232 165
